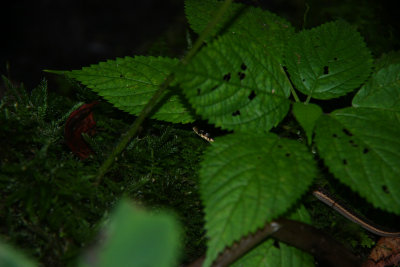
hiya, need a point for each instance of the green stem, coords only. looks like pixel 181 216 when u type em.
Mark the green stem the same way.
pixel 199 42
pixel 305 16
pixel 308 99
pixel 296 98
pixel 133 129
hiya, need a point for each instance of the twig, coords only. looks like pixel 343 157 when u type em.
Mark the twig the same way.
pixel 326 250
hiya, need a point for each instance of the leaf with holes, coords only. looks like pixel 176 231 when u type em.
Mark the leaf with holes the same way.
pixel 361 148
pixel 236 86
pixel 275 253
pixel 261 26
pixel 381 91
pixel 328 61
pixel 247 180
pixel 307 115
pixel 129 83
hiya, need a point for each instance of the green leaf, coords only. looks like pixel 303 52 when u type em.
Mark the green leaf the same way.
pixel 307 115
pixel 387 59
pixel 236 86
pixel 328 61
pixel 138 238
pixel 361 148
pixel 247 180
pixel 129 83
pixel 268 254
pixel 381 91
pixel 262 27
pixel 9 257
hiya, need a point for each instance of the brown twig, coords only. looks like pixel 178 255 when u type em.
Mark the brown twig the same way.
pixel 326 250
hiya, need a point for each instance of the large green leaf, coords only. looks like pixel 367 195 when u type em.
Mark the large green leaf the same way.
pixel 362 149
pixel 328 61
pixel 382 90
pixel 263 27
pixel 138 238
pixel 129 83
pixel 235 85
pixel 9 257
pixel 247 180
pixel 270 253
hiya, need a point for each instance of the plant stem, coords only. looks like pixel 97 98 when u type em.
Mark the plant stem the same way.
pixel 308 99
pixel 294 233
pixel 206 32
pixel 292 90
pixel 305 16
pixel 133 129
pixel 296 98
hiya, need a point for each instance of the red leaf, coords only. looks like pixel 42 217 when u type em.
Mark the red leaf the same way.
pixel 80 121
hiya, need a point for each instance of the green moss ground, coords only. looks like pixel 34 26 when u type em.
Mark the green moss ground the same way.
pixel 50 207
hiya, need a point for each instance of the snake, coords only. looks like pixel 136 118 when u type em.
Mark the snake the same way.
pixel 327 198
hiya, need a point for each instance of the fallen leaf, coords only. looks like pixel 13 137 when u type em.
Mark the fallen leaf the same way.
pixel 385 253
pixel 80 121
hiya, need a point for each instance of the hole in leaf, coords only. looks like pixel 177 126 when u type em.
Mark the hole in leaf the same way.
pixel 352 143
pixel 335 58
pixel 213 88
pixel 121 76
pixel 287 154
pixel 227 77
pixel 243 66
pixel 385 189
pixel 334 135
pixel 326 70
pixel 276 244
pixel 304 80
pixel 236 113
pixel 366 150
pixel 344 162
pixel 347 132
pixel 252 95
pixel 198 91
pixel 241 75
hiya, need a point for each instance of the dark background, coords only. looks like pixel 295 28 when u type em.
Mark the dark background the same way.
pixel 64 35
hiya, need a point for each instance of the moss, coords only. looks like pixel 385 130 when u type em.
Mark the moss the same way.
pixel 50 206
